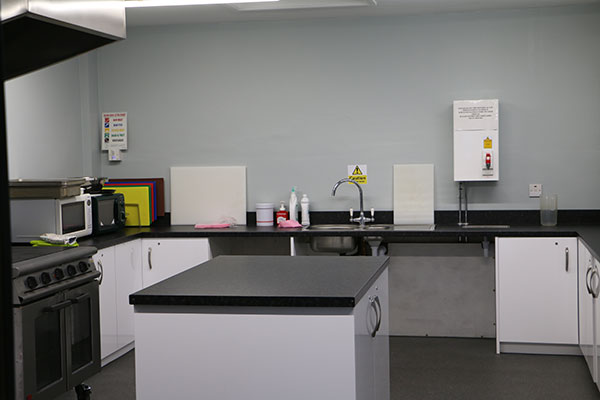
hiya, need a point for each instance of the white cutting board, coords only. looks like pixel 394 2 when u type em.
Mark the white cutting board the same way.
pixel 413 194
pixel 208 195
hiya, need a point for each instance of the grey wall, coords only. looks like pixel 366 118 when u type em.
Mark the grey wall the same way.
pixel 52 121
pixel 298 101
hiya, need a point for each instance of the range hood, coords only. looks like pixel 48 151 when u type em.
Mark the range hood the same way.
pixel 38 33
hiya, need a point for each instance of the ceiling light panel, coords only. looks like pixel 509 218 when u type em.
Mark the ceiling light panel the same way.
pixel 300 4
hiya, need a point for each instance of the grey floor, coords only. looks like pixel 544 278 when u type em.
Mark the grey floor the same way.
pixel 428 369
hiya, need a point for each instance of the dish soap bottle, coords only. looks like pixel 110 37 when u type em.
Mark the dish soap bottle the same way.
pixel 293 205
pixel 282 214
pixel 304 207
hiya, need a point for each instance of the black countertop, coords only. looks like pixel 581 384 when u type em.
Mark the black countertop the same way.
pixel 589 233
pixel 268 281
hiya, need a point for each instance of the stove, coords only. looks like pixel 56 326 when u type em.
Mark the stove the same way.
pixel 40 271
pixel 56 317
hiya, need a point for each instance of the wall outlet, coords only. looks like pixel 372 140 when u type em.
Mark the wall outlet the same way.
pixel 535 189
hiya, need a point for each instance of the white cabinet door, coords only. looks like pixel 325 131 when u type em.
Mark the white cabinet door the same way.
pixel 536 286
pixel 372 353
pixel 128 259
pixel 163 258
pixel 105 262
pixel 586 313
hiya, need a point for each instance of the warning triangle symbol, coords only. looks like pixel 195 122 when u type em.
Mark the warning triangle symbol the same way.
pixel 357 171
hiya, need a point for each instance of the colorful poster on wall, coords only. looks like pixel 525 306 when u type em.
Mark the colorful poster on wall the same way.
pixel 114 131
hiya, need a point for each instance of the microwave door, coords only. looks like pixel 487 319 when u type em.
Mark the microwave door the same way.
pixel 73 217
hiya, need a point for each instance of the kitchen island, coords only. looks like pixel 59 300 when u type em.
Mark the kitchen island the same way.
pixel 266 327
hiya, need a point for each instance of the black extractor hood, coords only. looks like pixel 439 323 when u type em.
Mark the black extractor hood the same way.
pixel 38 33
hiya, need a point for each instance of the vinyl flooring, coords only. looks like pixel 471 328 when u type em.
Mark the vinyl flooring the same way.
pixel 430 369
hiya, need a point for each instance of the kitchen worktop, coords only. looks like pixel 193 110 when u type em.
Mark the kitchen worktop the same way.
pixel 584 224
pixel 268 281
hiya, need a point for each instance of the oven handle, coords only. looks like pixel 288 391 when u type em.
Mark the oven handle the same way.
pixel 80 298
pixel 58 306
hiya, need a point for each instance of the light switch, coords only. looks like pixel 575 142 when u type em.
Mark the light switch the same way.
pixel 535 189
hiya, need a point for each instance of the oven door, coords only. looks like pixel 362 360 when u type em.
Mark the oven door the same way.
pixel 60 342
pixel 82 333
pixel 43 363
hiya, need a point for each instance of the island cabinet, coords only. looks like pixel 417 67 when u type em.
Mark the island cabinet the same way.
pixel 536 295
pixel 266 327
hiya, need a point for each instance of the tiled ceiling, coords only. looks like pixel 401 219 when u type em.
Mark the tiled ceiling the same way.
pixel 298 9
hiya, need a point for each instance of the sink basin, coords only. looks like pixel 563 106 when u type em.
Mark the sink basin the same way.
pixel 333 244
pixel 333 227
pixel 486 226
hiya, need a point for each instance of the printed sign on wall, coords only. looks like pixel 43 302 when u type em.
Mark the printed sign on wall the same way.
pixel 358 173
pixel 114 131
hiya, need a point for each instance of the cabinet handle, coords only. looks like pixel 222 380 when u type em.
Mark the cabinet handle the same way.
pixel 596 289
pixel 101 272
pixel 150 257
pixel 587 280
pixel 567 259
pixel 377 307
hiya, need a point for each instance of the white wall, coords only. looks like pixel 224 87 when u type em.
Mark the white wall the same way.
pixel 298 101
pixel 52 121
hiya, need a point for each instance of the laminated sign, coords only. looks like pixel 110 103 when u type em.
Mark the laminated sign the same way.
pixel 114 131
pixel 358 173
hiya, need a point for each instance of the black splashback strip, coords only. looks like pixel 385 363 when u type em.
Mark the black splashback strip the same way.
pixel 476 217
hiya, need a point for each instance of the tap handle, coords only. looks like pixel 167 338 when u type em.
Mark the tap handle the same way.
pixel 373 213
pixel 351 213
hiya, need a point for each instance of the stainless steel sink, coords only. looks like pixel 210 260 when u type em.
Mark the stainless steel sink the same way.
pixel 333 227
pixel 333 244
pixel 486 226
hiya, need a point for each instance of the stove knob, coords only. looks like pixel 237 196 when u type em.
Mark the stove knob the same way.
pixel 45 278
pixel 31 282
pixel 71 270
pixel 59 274
pixel 83 266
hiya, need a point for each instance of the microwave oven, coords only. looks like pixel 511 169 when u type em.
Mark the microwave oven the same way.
pixel 108 212
pixel 31 218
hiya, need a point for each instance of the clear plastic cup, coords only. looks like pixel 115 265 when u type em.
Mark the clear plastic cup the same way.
pixel 548 209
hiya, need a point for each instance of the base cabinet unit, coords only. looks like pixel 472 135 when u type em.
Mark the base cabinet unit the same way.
pixel 128 263
pixel 589 310
pixel 121 269
pixel 105 262
pixel 163 258
pixel 536 295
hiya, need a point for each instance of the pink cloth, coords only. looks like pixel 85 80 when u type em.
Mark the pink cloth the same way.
pixel 288 223
pixel 211 226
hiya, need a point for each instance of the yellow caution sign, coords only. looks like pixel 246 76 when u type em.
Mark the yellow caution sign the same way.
pixel 358 173
pixel 487 143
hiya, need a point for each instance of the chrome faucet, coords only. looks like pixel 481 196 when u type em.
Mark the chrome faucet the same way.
pixel 361 219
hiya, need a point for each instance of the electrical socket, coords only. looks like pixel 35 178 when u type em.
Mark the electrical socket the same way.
pixel 535 189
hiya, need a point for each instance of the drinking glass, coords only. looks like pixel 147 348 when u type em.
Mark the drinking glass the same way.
pixel 548 209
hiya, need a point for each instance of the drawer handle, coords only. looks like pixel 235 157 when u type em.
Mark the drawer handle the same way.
pixel 567 259
pixel 587 280
pixel 150 257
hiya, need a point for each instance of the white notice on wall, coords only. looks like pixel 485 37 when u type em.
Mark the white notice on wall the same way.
pixel 114 131
pixel 475 115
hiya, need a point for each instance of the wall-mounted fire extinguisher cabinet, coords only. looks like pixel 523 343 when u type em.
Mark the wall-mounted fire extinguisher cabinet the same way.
pixel 476 150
